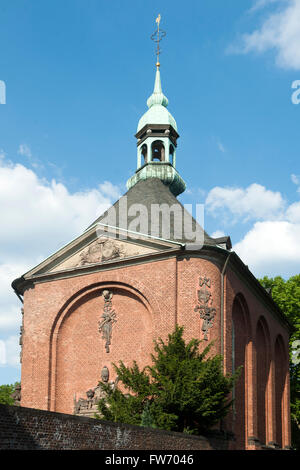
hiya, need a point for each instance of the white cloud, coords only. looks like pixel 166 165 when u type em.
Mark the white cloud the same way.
pixel 293 213
pixel 221 147
pixel 218 234
pixel 37 218
pixel 295 179
pixel 271 246
pixel 254 202
pixel 110 190
pixel 260 4
pixel 279 32
pixel 24 150
pixel 10 351
pixel 10 305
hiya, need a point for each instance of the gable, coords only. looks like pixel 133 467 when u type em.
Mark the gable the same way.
pixel 102 250
pixel 100 244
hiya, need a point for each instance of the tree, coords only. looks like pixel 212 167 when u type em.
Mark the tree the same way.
pixel 287 296
pixel 182 391
pixel 5 394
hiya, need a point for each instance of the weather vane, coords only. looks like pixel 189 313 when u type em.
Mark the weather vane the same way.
pixel 157 37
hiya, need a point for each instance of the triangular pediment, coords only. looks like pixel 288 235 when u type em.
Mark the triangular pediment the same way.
pixel 100 244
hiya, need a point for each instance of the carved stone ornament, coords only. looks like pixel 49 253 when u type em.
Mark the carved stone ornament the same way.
pixel 105 374
pixel 204 307
pixel 108 319
pixel 204 281
pixel 101 250
pixel 89 406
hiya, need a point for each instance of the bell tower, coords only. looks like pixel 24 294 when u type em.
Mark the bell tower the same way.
pixel 157 136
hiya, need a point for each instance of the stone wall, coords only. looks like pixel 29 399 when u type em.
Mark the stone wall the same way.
pixel 30 429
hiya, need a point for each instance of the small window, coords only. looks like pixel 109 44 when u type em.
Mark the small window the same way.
pixel 158 151
pixel 144 152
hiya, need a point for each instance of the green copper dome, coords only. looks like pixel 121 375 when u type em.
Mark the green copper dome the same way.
pixel 157 104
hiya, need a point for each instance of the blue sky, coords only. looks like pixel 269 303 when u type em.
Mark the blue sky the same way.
pixel 78 74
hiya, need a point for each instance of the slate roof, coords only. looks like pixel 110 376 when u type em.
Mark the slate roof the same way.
pixel 148 193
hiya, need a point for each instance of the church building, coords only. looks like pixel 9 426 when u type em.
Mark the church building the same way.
pixel 139 269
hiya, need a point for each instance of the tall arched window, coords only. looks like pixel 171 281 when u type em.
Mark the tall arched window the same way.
pixel 280 378
pixel 240 339
pixel 158 151
pixel 144 153
pixel 262 342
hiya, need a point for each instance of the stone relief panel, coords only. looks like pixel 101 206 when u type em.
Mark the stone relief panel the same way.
pixel 205 305
pixel 101 250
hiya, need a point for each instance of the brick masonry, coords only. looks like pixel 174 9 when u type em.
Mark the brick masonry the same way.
pixel 29 429
pixel 63 352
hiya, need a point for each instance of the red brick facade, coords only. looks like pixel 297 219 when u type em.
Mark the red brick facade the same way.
pixel 64 353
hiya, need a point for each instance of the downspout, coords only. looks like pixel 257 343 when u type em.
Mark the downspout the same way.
pixel 222 323
pixel 19 296
pixel 222 306
pixel 14 286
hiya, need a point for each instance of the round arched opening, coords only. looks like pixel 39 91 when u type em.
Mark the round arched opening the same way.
pixel 144 153
pixel 158 151
pixel 262 378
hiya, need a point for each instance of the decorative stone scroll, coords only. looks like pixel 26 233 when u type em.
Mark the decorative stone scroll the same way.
pixel 108 319
pixel 204 307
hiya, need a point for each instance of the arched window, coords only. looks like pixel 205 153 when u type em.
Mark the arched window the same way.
pixel 158 151
pixel 240 340
pixel 144 153
pixel 262 375
pixel 280 378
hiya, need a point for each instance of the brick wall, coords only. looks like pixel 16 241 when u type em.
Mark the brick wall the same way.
pixel 30 429
pixel 64 353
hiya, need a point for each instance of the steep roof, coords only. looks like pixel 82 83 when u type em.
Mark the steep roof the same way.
pixel 144 198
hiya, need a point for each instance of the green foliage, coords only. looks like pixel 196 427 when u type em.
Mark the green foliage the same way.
pixel 5 394
pixel 182 391
pixel 147 419
pixel 287 296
